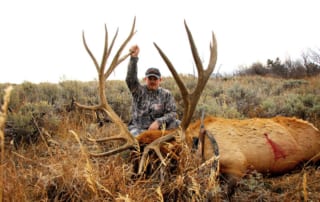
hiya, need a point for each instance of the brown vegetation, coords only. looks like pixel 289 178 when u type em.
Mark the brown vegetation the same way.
pixel 55 167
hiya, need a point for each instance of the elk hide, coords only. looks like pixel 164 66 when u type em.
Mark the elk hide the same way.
pixel 274 145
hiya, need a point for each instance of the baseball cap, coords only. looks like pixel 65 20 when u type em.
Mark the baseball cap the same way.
pixel 153 72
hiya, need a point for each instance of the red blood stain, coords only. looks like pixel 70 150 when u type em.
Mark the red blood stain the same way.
pixel 277 150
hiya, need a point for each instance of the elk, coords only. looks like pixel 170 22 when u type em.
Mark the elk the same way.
pixel 271 145
pixel 267 145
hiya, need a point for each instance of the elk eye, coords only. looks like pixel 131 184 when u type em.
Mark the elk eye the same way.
pixel 195 141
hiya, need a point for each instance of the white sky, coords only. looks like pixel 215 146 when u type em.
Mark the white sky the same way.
pixel 41 40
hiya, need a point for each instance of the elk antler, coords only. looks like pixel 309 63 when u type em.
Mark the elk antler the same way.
pixel 124 134
pixel 190 99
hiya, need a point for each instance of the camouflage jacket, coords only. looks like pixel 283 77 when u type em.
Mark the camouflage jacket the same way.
pixel 149 105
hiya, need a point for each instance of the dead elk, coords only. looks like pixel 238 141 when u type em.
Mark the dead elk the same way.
pixel 274 145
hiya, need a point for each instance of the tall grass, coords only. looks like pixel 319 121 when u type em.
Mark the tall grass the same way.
pixel 3 117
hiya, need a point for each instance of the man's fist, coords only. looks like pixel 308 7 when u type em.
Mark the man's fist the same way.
pixel 134 51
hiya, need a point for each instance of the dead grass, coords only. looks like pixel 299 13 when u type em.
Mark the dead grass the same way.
pixel 3 117
pixel 63 171
pixel 60 169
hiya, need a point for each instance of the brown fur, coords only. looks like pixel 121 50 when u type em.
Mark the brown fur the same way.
pixel 274 145
pixel 149 136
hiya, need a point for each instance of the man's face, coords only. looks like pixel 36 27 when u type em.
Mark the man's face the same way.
pixel 152 82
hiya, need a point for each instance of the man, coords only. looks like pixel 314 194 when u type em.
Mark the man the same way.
pixel 153 107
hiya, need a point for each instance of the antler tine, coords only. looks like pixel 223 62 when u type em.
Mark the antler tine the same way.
pixel 116 59
pixel 213 54
pixel 194 51
pixel 203 75
pixel 127 145
pixel 107 52
pixel 90 53
pixel 94 107
pixel 155 145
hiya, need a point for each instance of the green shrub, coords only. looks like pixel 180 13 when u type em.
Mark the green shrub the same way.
pixel 24 127
pixel 245 97
pixel 269 107
pixel 293 83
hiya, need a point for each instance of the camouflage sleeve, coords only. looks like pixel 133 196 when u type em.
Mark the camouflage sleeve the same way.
pixel 132 75
pixel 170 114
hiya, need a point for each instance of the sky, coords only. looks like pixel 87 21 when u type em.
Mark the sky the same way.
pixel 41 40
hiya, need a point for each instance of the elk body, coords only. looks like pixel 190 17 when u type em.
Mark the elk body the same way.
pixel 273 145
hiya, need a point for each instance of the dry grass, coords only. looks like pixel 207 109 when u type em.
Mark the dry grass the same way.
pixel 63 171
pixel 60 169
pixel 3 117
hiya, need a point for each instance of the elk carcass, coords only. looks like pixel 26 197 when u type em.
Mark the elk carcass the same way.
pixel 274 145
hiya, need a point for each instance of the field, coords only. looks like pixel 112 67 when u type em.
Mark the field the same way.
pixel 44 151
